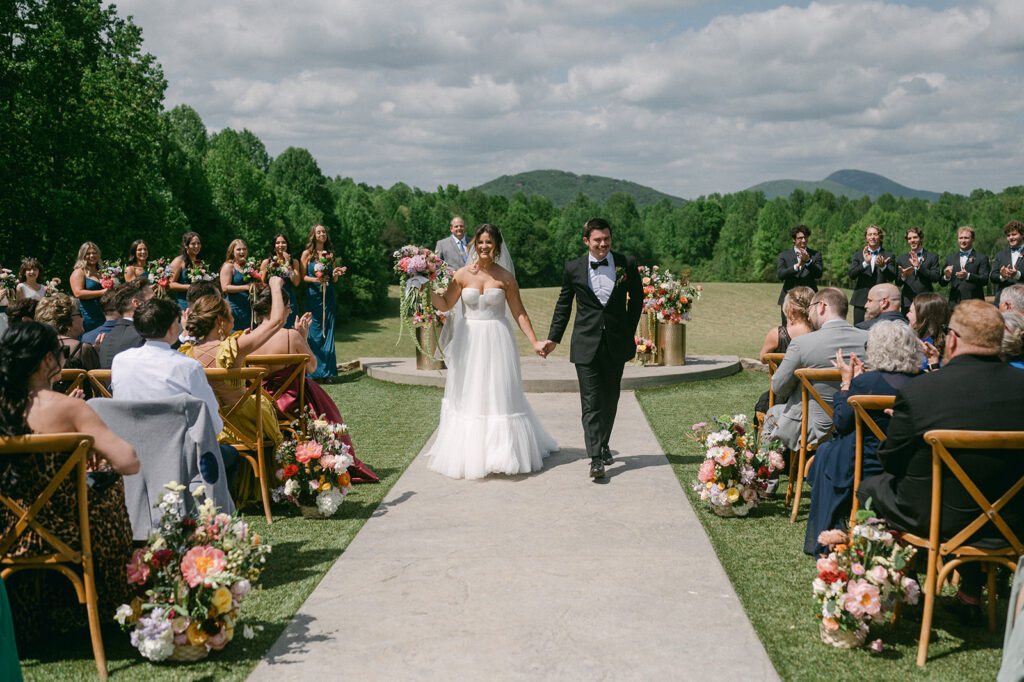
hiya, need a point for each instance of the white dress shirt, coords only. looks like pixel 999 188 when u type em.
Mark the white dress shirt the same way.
pixel 154 371
pixel 602 278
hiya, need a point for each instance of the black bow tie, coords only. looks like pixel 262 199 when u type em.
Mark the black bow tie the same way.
pixel 595 264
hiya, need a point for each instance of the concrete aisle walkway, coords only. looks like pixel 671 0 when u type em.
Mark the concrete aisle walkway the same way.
pixel 541 576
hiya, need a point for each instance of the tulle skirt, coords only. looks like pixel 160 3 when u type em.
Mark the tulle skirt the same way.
pixel 487 426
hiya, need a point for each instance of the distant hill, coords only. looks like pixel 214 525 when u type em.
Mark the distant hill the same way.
pixel 562 187
pixel 850 183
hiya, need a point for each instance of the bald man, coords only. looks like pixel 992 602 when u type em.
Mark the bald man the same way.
pixel 883 304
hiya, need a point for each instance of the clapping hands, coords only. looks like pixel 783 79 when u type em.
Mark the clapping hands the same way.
pixel 848 371
pixel 302 324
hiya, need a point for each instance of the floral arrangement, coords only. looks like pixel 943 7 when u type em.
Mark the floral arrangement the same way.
pixel 192 577
pixel 734 474
pixel 669 297
pixel 8 281
pixel 277 267
pixel 52 287
pixel 198 272
pixel 315 471
pixel 413 265
pixel 111 273
pixel 861 579
pixel 323 266
pixel 251 271
pixel 160 274
pixel 645 348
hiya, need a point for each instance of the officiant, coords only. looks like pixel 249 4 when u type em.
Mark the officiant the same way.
pixel 454 250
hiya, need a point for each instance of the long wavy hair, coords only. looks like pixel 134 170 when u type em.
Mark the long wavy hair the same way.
pixel 185 239
pixel 133 259
pixel 931 312
pixel 311 242
pixel 288 245
pixel 22 348
pixel 80 263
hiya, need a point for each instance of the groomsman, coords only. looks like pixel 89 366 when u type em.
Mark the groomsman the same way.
pixel 454 250
pixel 1006 265
pixel 917 271
pixel 870 266
pixel 799 266
pixel 965 273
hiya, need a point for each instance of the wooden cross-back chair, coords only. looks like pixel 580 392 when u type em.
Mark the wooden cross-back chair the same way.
pixel 940 566
pixel 294 366
pixel 772 360
pixel 862 404
pixel 71 449
pixel 252 448
pixel 99 379
pixel 75 377
pixel 798 469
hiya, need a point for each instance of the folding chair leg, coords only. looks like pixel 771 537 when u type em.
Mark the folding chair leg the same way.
pixel 94 625
pixel 931 586
pixel 792 475
pixel 799 485
pixel 990 569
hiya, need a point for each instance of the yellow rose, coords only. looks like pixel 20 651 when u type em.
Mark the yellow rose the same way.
pixel 222 600
pixel 741 441
pixel 721 486
pixel 325 486
pixel 195 634
pixel 732 494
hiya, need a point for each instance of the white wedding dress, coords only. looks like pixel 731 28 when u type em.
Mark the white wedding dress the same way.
pixel 487 425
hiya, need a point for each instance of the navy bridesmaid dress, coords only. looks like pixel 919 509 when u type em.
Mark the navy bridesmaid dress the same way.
pixel 321 331
pixel 92 313
pixel 239 302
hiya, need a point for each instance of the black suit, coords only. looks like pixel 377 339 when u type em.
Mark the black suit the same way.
pixel 602 340
pixel 970 392
pixel 864 277
pixel 919 281
pixel 973 286
pixel 791 277
pixel 122 337
pixel 1003 258
pixel 889 316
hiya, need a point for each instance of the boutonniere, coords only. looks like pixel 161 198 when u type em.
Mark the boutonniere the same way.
pixel 620 275
pixel 970 260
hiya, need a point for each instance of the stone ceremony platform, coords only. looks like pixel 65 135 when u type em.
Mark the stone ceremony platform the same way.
pixel 557 374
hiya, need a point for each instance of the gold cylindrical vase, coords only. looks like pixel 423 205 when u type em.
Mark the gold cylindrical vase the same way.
pixel 427 336
pixel 671 343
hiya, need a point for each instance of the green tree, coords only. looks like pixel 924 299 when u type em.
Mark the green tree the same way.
pixel 364 288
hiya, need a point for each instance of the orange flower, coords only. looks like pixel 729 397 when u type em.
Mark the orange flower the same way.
pixel 344 480
pixel 307 451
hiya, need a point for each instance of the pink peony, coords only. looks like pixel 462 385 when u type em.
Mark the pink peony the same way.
pixel 327 461
pixel 199 561
pixel 862 599
pixel 827 565
pixel 912 590
pixel 307 451
pixel 832 537
pixel 749 495
pixel 878 574
pixel 219 640
pixel 725 456
pixel 776 460
pixel 138 569
pixel 707 471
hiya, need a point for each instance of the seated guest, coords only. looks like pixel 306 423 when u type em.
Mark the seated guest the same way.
pixel 195 291
pixel 1012 348
pixel 894 357
pixel 61 312
pixel 882 305
pixel 794 308
pixel 31 357
pixel 152 370
pixel 22 310
pixel 108 304
pixel 827 314
pixel 975 391
pixel 928 316
pixel 1012 298
pixel 128 297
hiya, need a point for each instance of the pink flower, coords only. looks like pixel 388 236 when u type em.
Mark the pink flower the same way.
pixel 857 569
pixel 707 471
pixel 776 460
pixel 827 565
pixel 912 590
pixel 307 451
pixel 199 561
pixel 832 537
pixel 699 425
pixel 862 599
pixel 724 455
pixel 749 495
pixel 327 461
pixel 138 569
pixel 876 646
pixel 219 640
pixel 240 589
pixel 878 574
pixel 748 455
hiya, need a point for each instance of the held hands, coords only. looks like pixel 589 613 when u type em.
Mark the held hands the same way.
pixel 302 324
pixel 548 347
pixel 540 347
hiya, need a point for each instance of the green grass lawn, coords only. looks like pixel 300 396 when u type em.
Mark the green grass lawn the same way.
pixel 763 555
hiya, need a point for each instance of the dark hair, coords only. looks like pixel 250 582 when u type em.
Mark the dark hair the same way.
pixel 273 240
pixel 20 309
pixel 128 292
pixel 931 311
pixel 1013 226
pixel 595 224
pixel 132 258
pixel 197 290
pixel 262 305
pixel 185 239
pixel 153 318
pixel 797 229
pixel 496 237
pixel 30 263
pixel 916 230
pixel 204 313
pixel 311 242
pixel 108 302
pixel 22 348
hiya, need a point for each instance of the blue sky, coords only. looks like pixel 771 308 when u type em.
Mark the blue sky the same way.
pixel 688 97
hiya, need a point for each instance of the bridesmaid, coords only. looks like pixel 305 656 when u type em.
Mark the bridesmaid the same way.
pixel 320 301
pixel 138 261
pixel 29 285
pixel 232 283
pixel 86 287
pixel 280 251
pixel 191 245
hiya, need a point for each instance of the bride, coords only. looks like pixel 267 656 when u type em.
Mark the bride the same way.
pixel 487 425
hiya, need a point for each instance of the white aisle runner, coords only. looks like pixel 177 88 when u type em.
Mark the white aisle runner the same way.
pixel 534 577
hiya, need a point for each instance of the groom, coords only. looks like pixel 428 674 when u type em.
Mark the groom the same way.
pixel 609 301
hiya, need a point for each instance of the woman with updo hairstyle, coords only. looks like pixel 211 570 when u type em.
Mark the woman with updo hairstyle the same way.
pixel 1012 348
pixel 86 286
pixel 60 312
pixel 210 321
pixel 191 245
pixel 928 314
pixel 137 264
pixel 31 358
pixel 794 309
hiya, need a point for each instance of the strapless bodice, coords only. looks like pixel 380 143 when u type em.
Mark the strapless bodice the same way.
pixel 490 305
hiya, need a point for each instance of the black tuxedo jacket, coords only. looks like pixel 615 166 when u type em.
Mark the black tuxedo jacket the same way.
pixel 919 282
pixel 998 261
pixel 977 277
pixel 122 337
pixel 969 392
pixel 863 278
pixel 807 276
pixel 615 322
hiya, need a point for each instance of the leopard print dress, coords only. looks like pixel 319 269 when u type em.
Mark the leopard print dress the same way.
pixel 43 601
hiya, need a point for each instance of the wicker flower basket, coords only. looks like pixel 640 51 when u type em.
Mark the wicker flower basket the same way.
pixel 843 639
pixel 728 511
pixel 188 653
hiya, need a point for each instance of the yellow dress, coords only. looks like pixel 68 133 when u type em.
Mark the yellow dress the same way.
pixel 245 488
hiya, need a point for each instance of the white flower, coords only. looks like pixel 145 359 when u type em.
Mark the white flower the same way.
pixel 123 613
pixel 247 632
pixel 199 491
pixel 717 437
pixel 291 487
pixel 314 486
pixel 328 501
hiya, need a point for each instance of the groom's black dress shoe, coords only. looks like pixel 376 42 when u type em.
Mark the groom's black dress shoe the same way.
pixel 596 468
pixel 606 457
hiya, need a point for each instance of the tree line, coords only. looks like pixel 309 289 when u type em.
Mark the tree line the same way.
pixel 90 153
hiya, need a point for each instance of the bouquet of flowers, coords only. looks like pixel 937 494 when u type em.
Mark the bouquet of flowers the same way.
pixel 733 475
pixel 192 577
pixel 315 471
pixel 198 272
pixel 160 274
pixel 645 349
pixel 52 287
pixel 251 271
pixel 8 281
pixel 412 263
pixel 668 296
pixel 277 267
pixel 860 580
pixel 323 266
pixel 111 273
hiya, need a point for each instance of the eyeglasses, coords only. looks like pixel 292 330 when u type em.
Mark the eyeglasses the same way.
pixel 946 329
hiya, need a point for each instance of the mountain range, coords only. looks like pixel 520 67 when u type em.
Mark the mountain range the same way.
pixel 850 183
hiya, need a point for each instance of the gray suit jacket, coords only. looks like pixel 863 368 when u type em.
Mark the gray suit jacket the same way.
pixel 814 350
pixel 448 250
